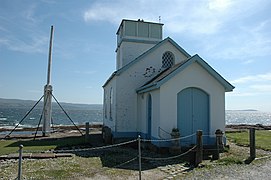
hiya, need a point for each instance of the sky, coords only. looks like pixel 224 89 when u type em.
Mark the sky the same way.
pixel 233 36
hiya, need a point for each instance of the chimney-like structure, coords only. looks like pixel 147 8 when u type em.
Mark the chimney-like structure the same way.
pixel 134 38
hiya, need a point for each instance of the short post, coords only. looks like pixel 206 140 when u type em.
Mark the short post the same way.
pixel 20 162
pixel 175 134
pixel 219 143
pixel 252 143
pixel 87 132
pixel 139 156
pixel 199 150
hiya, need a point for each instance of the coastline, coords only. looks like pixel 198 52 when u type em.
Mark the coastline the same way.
pixel 247 126
pixel 62 128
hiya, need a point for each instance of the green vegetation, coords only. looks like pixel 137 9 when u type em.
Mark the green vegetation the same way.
pixel 12 146
pixel 58 168
pixel 102 163
pixel 242 138
pixel 82 164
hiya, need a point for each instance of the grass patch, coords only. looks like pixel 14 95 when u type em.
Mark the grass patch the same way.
pixel 59 168
pixel 230 160
pixel 242 138
pixel 12 146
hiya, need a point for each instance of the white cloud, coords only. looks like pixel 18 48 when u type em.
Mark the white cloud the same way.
pixel 190 17
pixel 241 94
pixel 33 45
pixel 266 88
pixel 253 78
pixel 201 17
pixel 252 85
pixel 219 4
pixel 29 13
pixel 218 27
pixel 89 87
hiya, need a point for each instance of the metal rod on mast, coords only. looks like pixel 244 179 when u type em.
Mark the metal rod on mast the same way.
pixel 50 56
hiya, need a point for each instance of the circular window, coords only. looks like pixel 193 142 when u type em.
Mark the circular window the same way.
pixel 167 59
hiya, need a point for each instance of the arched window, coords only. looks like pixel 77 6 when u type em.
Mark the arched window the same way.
pixel 111 103
pixel 167 59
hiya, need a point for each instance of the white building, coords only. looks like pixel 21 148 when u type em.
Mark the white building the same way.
pixel 158 86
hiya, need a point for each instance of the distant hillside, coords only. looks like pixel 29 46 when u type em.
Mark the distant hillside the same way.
pixel 244 110
pixel 18 103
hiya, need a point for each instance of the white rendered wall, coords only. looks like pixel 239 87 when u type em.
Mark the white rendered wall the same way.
pixel 107 120
pixel 143 112
pixel 133 78
pixel 192 76
pixel 128 51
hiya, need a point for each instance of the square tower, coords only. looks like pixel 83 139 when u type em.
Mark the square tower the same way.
pixel 134 38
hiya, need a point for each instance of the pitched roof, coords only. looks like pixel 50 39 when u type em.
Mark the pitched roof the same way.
pixel 139 58
pixel 164 76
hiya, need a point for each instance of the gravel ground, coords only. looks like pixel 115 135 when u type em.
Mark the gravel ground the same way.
pixel 260 169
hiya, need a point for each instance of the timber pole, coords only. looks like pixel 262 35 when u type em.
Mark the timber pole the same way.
pixel 252 143
pixel 139 157
pixel 199 149
pixel 20 162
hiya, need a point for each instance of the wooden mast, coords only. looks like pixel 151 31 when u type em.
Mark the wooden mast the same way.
pixel 47 113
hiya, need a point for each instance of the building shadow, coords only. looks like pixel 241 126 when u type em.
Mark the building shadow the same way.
pixel 111 156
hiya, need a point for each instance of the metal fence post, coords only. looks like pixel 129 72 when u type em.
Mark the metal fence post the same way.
pixel 20 162
pixel 139 157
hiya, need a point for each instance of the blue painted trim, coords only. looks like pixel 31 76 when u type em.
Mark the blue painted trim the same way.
pixel 216 75
pixel 196 58
pixel 125 134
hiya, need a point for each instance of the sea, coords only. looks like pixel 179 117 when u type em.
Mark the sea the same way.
pixel 12 116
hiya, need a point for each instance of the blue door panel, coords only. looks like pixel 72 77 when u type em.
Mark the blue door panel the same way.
pixel 200 111
pixel 184 115
pixel 192 113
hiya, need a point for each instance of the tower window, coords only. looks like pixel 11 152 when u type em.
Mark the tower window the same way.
pixel 167 59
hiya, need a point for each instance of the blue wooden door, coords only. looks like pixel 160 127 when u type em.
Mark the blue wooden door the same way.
pixel 192 113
